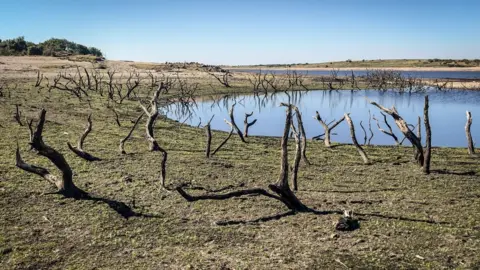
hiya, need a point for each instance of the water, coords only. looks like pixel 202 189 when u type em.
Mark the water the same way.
pixel 414 74
pixel 447 113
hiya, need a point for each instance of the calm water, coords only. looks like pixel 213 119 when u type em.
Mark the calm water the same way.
pixel 447 113
pixel 415 74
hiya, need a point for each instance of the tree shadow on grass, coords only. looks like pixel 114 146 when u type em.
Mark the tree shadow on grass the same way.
pixel 452 172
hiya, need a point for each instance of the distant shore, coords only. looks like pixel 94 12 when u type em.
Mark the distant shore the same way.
pixel 360 68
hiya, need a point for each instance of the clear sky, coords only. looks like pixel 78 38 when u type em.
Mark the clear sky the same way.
pixel 252 31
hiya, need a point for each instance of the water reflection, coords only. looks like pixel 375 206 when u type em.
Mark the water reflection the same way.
pixel 447 112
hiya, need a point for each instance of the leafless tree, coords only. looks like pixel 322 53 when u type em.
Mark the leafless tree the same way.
pixel 18 115
pixel 364 133
pixel 152 117
pixel 246 124
pixel 428 139
pixel 39 79
pixel 405 129
pixel 234 125
pixel 223 78
pixel 79 149
pixel 471 148
pixel 121 147
pixel 281 189
pixel 209 137
pixel 390 131
pixel 64 184
pixel 327 127
pixel 117 120
pixel 354 139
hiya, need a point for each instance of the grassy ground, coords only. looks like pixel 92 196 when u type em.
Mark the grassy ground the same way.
pixel 387 63
pixel 408 219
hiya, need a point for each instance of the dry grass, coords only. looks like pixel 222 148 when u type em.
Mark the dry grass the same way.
pixel 408 219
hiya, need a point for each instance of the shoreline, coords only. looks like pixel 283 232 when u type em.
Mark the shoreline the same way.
pixel 453 69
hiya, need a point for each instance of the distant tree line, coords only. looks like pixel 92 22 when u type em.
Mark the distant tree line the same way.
pixel 52 47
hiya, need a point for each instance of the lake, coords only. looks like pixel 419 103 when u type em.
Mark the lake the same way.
pixel 414 74
pixel 447 113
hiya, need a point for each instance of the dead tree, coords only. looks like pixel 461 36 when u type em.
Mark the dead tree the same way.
pixel 233 124
pixel 298 156
pixel 39 79
pixel 117 120
pixel 64 184
pixel 370 127
pixel 152 117
pixel 223 79
pixel 390 131
pixel 404 128
pixel 302 132
pixel 209 137
pixel 354 139
pixel 18 115
pixel 246 124
pixel 223 142
pixel 327 127
pixel 364 133
pixel 121 147
pixel 428 138
pixel 79 149
pixel 471 148
pixel 281 190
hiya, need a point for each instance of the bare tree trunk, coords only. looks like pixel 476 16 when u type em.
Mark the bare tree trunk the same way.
pixel 354 139
pixel 301 129
pixel 153 144
pixel 121 147
pixel 234 125
pixel 298 157
pixel 471 148
pixel 117 120
pixel 282 187
pixel 18 116
pixel 327 128
pixel 64 185
pixel 403 126
pixel 428 139
pixel 209 138
pixel 79 149
pixel 370 127
pixel 246 124
pixel 364 133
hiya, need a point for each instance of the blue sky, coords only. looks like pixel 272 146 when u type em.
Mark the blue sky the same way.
pixel 252 32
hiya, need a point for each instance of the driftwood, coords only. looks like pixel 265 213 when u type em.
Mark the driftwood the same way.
pixel 246 124
pixel 404 128
pixel 64 184
pixel 354 139
pixel 79 149
pixel 471 148
pixel 281 189
pixel 121 147
pixel 428 138
pixel 390 131
pixel 209 137
pixel 327 127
